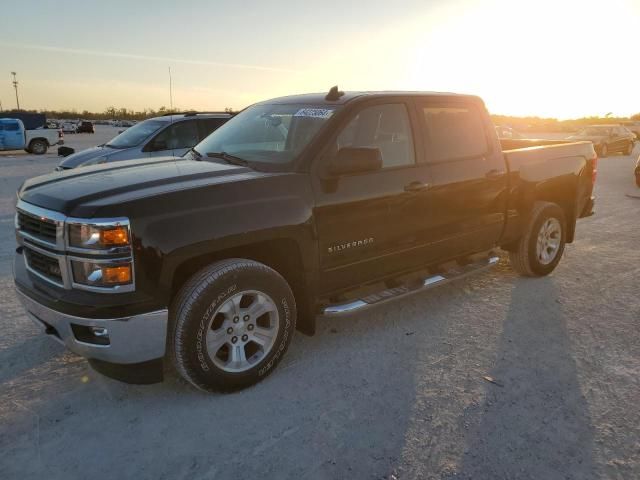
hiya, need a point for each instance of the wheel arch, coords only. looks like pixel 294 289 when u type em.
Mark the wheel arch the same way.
pixel 284 255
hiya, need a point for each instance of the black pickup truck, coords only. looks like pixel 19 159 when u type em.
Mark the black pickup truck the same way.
pixel 298 206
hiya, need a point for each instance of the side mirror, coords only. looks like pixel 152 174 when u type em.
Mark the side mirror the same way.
pixel 356 160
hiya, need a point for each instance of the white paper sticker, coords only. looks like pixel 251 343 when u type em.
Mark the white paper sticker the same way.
pixel 314 112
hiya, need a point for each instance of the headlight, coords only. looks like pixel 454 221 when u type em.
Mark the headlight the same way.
pixel 98 236
pixel 101 274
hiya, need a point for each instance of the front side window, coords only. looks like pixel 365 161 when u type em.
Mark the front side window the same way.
pixel 137 134
pixel 386 127
pixel 454 133
pixel 270 134
pixel 176 136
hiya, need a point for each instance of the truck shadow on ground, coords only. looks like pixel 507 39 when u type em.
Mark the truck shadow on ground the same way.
pixel 537 425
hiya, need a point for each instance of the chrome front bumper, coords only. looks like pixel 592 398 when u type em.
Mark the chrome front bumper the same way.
pixel 134 339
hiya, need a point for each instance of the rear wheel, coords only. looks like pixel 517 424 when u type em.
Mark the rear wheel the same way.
pixel 38 147
pixel 541 246
pixel 231 324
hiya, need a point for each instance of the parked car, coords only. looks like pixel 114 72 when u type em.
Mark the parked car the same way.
pixel 297 206
pixel 634 127
pixel 155 137
pixel 507 132
pixel 607 139
pixel 85 127
pixel 69 127
pixel 13 136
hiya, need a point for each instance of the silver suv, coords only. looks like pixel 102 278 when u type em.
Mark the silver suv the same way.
pixel 171 135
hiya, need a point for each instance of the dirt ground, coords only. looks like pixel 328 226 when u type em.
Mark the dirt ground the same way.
pixel 396 392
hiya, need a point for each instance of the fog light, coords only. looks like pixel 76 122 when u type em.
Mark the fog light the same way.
pixel 99 331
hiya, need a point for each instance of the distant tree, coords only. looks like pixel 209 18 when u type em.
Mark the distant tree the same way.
pixel 635 117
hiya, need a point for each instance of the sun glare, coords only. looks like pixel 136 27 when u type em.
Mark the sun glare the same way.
pixel 532 58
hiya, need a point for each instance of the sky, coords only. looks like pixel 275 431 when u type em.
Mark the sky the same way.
pixel 550 58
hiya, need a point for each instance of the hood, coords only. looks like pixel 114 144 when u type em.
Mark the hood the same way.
pixel 73 160
pixel 80 192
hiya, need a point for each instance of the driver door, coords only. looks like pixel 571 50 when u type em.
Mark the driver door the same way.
pixel 175 140
pixel 367 221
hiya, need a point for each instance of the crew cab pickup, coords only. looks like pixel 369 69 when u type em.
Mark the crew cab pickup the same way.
pixel 14 136
pixel 298 206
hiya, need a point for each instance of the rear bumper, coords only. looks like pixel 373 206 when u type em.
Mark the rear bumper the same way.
pixel 134 339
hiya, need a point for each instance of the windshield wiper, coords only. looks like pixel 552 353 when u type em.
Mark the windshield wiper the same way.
pixel 229 158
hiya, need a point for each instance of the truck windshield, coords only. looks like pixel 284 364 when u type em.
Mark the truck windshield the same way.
pixel 272 134
pixel 135 135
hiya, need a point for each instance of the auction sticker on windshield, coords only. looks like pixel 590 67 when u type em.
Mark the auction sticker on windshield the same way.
pixel 314 112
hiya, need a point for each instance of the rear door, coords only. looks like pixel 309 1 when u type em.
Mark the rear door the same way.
pixel 366 222
pixel 468 194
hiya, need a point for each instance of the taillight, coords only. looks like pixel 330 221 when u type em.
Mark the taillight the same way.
pixel 594 171
pixel 60 134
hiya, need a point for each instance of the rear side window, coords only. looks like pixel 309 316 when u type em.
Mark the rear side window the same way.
pixel 208 125
pixel 11 127
pixel 386 127
pixel 453 133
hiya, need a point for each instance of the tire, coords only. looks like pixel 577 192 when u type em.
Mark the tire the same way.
pixel 215 307
pixel 604 150
pixel 38 147
pixel 527 258
pixel 629 149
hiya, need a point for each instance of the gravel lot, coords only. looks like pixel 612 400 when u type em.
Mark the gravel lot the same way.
pixel 396 392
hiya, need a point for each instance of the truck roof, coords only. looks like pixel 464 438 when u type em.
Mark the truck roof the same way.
pixel 319 98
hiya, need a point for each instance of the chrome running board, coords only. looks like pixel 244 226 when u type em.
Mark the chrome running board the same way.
pixel 402 291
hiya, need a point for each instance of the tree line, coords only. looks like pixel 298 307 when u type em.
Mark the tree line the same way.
pixel 111 113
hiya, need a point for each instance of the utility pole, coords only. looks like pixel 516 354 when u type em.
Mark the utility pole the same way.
pixel 15 85
pixel 170 92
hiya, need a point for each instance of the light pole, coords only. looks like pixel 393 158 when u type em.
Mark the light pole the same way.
pixel 15 85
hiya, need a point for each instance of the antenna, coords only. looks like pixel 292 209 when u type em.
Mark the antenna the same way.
pixel 170 91
pixel 15 85
pixel 334 94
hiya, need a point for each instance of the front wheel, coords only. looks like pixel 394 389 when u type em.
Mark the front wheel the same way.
pixel 38 147
pixel 231 323
pixel 541 246
pixel 629 149
pixel 604 150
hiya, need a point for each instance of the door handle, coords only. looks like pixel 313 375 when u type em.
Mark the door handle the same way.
pixel 416 187
pixel 494 173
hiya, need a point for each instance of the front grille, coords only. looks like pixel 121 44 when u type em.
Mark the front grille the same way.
pixel 45 265
pixel 44 229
